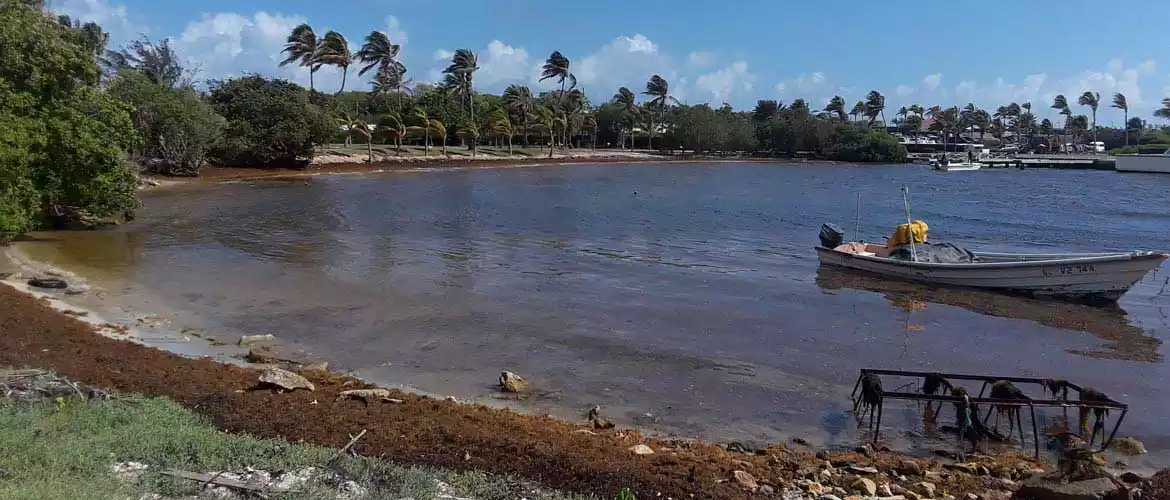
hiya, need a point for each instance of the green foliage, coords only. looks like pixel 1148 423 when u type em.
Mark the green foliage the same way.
pixel 270 123
pixel 178 128
pixel 626 494
pixel 61 139
pixel 864 144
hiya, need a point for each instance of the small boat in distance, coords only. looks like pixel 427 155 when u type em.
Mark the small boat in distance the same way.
pixel 1089 277
pixel 1144 163
pixel 958 167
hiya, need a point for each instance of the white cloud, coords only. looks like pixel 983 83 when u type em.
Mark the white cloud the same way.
pixel 227 44
pixel 723 83
pixel 112 18
pixel 700 59
pixel 394 31
pixel 627 61
pixel 781 88
pixel 904 90
pixel 501 63
pixel 443 55
pixel 931 82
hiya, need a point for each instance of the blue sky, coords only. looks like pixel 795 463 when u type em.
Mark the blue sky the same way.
pixel 929 52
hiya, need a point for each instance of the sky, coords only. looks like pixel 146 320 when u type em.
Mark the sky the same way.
pixel 736 51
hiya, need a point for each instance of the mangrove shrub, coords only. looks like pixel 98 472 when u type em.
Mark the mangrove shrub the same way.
pixel 270 122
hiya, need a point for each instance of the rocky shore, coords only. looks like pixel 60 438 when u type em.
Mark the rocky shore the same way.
pixel 586 457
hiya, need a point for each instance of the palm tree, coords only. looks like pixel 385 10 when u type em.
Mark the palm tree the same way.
pixel 349 125
pixel 436 126
pixel 836 106
pixel 458 77
pixel 629 109
pixel 589 122
pixel 1061 103
pixel 421 114
pixel 1119 102
pixel 394 127
pixel 378 52
pixel 546 120
pixel 389 80
pixel 302 47
pixel 335 52
pixel 875 104
pixel 858 110
pixel 660 99
pixel 1046 131
pixel 1078 124
pixel 502 126
pixel 1091 99
pixel 470 131
pixel 1164 112
pixel 518 101
pixel 363 129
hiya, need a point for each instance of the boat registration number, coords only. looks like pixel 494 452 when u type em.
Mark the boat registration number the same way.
pixel 1070 269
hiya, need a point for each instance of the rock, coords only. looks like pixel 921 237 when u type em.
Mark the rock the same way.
pixel 601 423
pixel 800 441
pixel 910 495
pixel 1128 446
pixel 746 447
pixel 999 483
pixel 77 289
pixel 1046 489
pixel 864 485
pixel 510 382
pixel 593 413
pixel 909 468
pixel 971 496
pixel 642 449
pixel 830 497
pixel 767 489
pixel 745 480
pixel 864 449
pixel 924 488
pixel 284 380
pixel 966 468
pixel 983 471
pixel 317 367
pixel 1131 478
pixel 368 395
pixel 945 453
pixel 248 340
pixel 51 283
pixel 822 455
pixel 128 471
pixel 1121 463
pixel 862 471
pixel 884 490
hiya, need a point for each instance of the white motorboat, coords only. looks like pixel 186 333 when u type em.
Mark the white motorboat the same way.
pixel 1144 163
pixel 1094 277
pixel 958 167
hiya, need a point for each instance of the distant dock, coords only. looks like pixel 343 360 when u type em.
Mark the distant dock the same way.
pixel 1009 160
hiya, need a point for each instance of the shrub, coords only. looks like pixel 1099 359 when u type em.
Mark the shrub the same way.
pixel 270 123
pixel 177 127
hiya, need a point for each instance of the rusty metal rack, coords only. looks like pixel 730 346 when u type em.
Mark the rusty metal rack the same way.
pixel 1072 402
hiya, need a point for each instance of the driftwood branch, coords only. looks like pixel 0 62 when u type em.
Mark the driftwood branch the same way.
pixel 205 479
pixel 349 445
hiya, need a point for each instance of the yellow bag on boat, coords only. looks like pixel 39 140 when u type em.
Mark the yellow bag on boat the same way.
pixel 903 233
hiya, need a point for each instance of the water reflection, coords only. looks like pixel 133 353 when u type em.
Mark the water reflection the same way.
pixel 1125 341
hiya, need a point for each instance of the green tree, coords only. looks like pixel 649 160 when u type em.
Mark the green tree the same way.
pixel 660 99
pixel 626 102
pixel 546 119
pixel 437 127
pixel 1092 100
pixel 334 51
pixel 1060 103
pixel 270 123
pixel 61 139
pixel 1120 102
pixel 458 78
pixel 589 123
pixel 302 47
pixel 518 102
pixel 178 128
pixel 875 104
pixel 470 131
pixel 502 127
pixel 836 106
pixel 425 127
pixel 393 126
pixel 379 52
pixel 389 81
pixel 858 110
pixel 1164 111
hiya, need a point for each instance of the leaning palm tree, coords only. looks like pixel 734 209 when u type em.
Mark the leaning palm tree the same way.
pixel 546 120
pixel 1120 102
pixel 363 130
pixel 836 106
pixel 420 113
pixel 391 125
pixel 660 99
pixel 436 126
pixel 1164 111
pixel 858 110
pixel 302 47
pixel 458 79
pixel 1092 100
pixel 470 132
pixel 875 104
pixel 589 122
pixel 1060 103
pixel 349 125
pixel 625 101
pixel 390 81
pixel 378 52
pixel 556 67
pixel 502 127
pixel 335 52
pixel 518 102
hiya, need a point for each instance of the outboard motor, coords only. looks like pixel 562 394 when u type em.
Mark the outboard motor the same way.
pixel 831 236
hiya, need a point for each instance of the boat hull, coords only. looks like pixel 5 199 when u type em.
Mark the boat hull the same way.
pixel 1080 277
pixel 963 167
pixel 1143 163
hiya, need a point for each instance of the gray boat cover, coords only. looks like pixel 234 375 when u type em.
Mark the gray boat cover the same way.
pixel 940 253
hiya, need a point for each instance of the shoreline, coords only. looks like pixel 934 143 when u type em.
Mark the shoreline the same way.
pixel 559 453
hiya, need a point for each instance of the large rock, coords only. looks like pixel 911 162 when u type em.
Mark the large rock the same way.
pixel 369 395
pixel 248 340
pixel 909 468
pixel 1047 489
pixel 510 382
pixel 864 485
pixel 745 480
pixel 284 380
pixel 924 488
pixel 642 449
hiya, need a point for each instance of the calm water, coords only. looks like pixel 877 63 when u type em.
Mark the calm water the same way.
pixel 684 298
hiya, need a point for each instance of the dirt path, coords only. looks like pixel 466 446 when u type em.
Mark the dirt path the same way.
pixel 419 430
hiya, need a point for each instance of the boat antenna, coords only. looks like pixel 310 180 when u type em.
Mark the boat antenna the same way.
pixel 909 226
pixel 857 219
